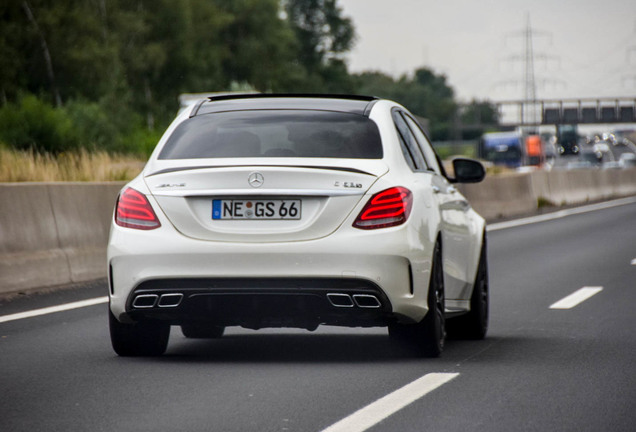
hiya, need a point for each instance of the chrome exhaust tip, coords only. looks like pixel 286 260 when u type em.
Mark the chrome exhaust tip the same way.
pixel 340 300
pixel 170 300
pixel 367 301
pixel 145 301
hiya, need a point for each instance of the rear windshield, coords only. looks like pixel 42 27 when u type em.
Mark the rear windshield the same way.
pixel 280 133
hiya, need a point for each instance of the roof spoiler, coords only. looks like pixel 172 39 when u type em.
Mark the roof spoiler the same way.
pixel 227 96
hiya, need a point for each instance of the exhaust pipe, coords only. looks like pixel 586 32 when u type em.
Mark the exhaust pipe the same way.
pixel 366 301
pixel 145 301
pixel 340 300
pixel 170 300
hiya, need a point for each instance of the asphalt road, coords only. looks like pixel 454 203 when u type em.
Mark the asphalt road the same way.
pixel 540 369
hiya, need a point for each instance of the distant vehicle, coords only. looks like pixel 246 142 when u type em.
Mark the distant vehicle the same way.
pixel 567 140
pixel 512 149
pixel 593 138
pixel 549 147
pixel 587 158
pixel 593 157
pixel 624 137
pixel 502 148
pixel 621 141
pixel 534 150
pixel 603 151
pixel 609 137
pixel 296 211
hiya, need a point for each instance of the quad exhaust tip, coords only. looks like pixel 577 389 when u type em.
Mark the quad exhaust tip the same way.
pixel 365 301
pixel 145 301
pixel 340 300
pixel 170 300
pixel 149 301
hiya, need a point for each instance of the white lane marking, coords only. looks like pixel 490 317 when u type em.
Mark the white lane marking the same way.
pixel 560 214
pixel 374 413
pixel 634 261
pixel 576 298
pixel 53 309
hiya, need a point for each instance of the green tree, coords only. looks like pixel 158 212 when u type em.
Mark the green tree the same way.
pixel 31 124
pixel 62 48
pixel 426 94
pixel 259 44
pixel 12 61
pixel 324 36
pixel 477 117
pixel 116 67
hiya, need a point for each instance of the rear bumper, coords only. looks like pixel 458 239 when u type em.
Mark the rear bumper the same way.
pixel 290 284
pixel 256 303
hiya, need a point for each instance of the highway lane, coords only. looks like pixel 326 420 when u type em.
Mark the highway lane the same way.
pixel 539 369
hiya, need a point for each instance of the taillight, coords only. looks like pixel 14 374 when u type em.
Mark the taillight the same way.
pixel 134 211
pixel 385 209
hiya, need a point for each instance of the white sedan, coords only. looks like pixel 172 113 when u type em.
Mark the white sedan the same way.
pixel 296 211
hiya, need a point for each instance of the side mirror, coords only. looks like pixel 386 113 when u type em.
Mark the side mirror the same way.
pixel 468 171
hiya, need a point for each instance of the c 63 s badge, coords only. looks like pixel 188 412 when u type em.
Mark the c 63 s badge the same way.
pixel 349 185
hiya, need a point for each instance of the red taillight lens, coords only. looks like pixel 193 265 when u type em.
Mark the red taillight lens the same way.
pixel 385 209
pixel 134 211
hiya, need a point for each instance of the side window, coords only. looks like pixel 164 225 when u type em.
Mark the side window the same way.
pixel 407 137
pixel 425 144
pixel 406 153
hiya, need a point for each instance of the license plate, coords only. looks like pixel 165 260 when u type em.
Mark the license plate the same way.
pixel 256 209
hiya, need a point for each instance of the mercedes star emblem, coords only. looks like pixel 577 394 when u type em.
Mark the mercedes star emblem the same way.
pixel 256 179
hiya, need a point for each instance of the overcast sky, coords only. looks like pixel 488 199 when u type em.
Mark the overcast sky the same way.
pixel 582 48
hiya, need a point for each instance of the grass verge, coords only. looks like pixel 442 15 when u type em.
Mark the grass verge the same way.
pixel 28 166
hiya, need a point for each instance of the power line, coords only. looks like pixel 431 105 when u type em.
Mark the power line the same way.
pixel 530 111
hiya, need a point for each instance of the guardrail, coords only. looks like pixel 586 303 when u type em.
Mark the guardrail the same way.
pixel 56 233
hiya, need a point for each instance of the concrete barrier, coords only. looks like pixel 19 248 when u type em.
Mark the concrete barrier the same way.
pixel 515 194
pixel 56 233
pixel 501 196
pixel 53 233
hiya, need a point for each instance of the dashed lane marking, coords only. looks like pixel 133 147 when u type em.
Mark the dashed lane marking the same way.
pixel 377 411
pixel 53 309
pixel 576 298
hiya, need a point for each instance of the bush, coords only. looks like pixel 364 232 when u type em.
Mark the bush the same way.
pixel 108 126
pixel 141 142
pixel 32 124
pixel 111 126
pixel 93 125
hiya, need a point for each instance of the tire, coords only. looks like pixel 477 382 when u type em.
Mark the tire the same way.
pixel 141 339
pixel 474 324
pixel 197 331
pixel 427 337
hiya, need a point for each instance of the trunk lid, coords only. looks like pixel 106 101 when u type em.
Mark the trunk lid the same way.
pixel 261 203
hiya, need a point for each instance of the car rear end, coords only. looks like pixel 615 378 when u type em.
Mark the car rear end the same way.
pixel 267 213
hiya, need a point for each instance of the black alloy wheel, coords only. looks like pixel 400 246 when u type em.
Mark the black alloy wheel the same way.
pixel 474 324
pixel 428 336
